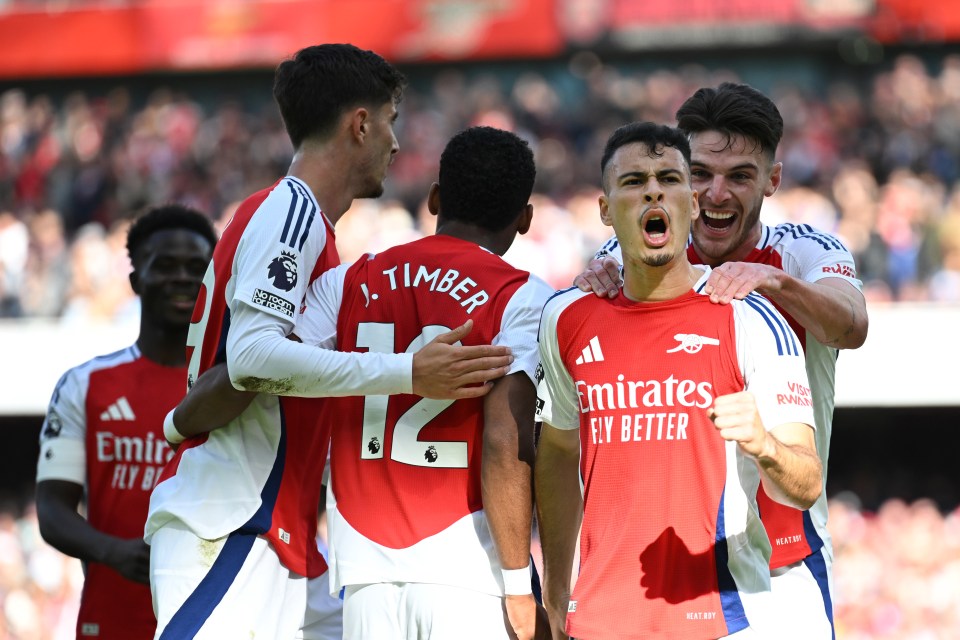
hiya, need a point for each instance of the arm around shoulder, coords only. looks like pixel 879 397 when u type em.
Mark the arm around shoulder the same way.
pixel 833 310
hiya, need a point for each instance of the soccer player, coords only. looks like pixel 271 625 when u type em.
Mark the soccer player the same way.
pixel 430 500
pixel 232 522
pixel 809 276
pixel 103 435
pixel 675 410
pixel 430 503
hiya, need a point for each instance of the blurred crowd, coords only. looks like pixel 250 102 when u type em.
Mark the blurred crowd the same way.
pixel 877 163
pixel 896 572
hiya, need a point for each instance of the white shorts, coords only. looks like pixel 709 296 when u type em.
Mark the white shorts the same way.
pixel 416 611
pixel 234 587
pixel 802 598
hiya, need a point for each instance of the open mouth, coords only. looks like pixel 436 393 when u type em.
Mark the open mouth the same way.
pixel 655 229
pixel 718 220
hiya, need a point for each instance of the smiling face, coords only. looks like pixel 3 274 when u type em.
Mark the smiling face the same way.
pixel 169 268
pixel 733 175
pixel 649 202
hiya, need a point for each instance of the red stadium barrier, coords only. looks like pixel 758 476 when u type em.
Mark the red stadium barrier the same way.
pixel 169 35
pixel 100 38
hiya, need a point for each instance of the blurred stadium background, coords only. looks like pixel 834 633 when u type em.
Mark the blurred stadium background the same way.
pixel 110 105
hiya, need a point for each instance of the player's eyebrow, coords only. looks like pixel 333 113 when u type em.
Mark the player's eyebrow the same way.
pixel 743 166
pixel 644 175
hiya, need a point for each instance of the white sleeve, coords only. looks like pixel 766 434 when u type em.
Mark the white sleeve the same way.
pixel 611 249
pixel 277 253
pixel 560 408
pixel 816 255
pixel 261 358
pixel 772 361
pixel 275 257
pixel 317 325
pixel 63 452
pixel 520 323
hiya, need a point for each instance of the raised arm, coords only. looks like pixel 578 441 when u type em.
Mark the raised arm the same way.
pixel 507 486
pixel 559 512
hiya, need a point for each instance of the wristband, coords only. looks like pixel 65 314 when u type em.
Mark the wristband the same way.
pixel 516 582
pixel 170 430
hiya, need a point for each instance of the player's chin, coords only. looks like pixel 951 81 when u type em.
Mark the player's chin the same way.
pixel 176 318
pixel 373 191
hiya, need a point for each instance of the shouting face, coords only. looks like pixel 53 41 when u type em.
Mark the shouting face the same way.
pixel 649 202
pixel 732 176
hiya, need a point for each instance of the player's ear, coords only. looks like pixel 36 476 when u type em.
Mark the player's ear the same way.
pixel 433 199
pixel 135 282
pixel 605 211
pixel 526 219
pixel 359 123
pixel 776 175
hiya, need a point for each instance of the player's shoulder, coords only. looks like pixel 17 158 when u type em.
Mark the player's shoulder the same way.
pixel 105 361
pixel 78 377
pixel 758 317
pixel 610 248
pixel 288 204
pixel 534 286
pixel 562 299
pixel 790 236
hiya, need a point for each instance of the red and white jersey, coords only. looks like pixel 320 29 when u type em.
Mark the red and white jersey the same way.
pixel 404 501
pixel 810 255
pixel 671 544
pixel 260 473
pixel 104 430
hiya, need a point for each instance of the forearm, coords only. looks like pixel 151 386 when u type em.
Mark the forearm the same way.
pixel 260 358
pixel 67 531
pixel 791 474
pixel 832 310
pixel 211 403
pixel 506 469
pixel 559 511
pixel 506 480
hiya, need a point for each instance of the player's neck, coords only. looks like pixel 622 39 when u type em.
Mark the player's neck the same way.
pixel 163 346
pixel 327 180
pixel 489 240
pixel 643 283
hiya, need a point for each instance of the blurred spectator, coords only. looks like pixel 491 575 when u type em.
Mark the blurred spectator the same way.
pixel 46 277
pixel 945 281
pixel 872 163
pixel 897 574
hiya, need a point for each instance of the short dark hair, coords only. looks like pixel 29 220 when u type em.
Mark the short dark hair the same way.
pixel 733 109
pixel 318 83
pixel 654 136
pixel 168 216
pixel 486 177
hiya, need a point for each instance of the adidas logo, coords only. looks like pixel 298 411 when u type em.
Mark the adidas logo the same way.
pixel 592 352
pixel 119 410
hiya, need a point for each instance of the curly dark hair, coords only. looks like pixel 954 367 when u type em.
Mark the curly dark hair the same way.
pixel 168 216
pixel 733 109
pixel 318 83
pixel 654 136
pixel 486 177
